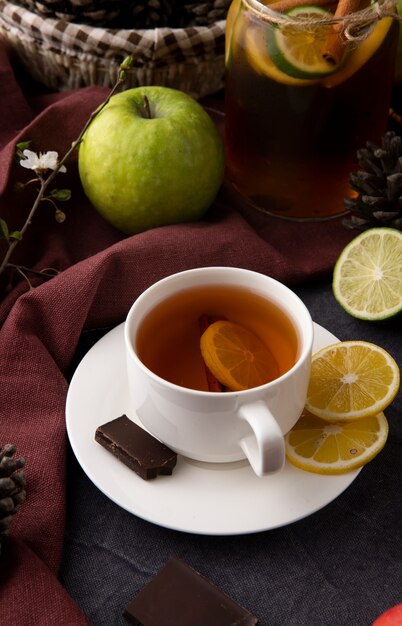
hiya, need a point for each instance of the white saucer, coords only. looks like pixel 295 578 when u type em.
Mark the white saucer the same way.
pixel 204 498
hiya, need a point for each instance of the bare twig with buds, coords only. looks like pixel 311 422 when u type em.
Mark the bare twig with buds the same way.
pixel 46 167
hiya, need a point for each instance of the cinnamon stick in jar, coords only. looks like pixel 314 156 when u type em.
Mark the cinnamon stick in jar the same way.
pixel 281 6
pixel 334 47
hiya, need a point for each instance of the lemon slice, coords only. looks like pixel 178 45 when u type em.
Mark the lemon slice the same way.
pixel 298 50
pixel 351 380
pixel 316 446
pixel 236 356
pixel 367 280
pixel 259 59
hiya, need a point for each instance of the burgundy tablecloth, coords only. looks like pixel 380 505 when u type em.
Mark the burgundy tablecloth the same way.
pixel 102 273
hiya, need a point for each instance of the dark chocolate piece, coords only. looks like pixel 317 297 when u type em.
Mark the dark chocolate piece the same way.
pixel 179 596
pixel 136 448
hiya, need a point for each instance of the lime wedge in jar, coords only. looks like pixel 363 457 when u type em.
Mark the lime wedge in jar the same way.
pixel 298 51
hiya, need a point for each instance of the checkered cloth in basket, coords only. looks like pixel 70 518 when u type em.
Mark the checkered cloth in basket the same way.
pixel 67 55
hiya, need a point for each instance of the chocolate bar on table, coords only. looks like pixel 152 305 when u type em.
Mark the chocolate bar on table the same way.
pixel 136 448
pixel 180 596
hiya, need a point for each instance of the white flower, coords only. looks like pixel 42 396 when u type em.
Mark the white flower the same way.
pixel 45 161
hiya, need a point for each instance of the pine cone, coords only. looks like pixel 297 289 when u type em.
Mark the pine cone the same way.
pixel 12 489
pixel 378 184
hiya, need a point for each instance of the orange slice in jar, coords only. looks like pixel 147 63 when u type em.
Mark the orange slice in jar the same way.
pixel 231 33
pixel 260 61
pixel 358 56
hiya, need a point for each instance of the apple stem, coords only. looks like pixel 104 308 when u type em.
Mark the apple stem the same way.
pixel 147 108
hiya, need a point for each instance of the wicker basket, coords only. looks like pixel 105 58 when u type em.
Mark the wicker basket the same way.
pixel 64 55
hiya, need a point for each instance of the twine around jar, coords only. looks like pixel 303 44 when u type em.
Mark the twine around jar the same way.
pixel 355 26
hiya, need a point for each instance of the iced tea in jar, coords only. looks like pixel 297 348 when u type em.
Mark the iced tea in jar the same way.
pixel 306 86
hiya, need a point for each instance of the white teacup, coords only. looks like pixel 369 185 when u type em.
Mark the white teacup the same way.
pixel 233 425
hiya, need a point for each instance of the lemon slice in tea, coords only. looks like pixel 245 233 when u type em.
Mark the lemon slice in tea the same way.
pixel 367 280
pixel 351 380
pixel 316 446
pixel 236 356
pixel 297 50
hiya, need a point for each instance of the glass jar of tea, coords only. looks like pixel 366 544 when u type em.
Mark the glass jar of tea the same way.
pixel 306 87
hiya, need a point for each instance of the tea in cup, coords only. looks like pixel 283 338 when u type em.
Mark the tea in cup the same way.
pixel 168 379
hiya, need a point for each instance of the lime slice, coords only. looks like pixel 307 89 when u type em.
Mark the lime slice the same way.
pixel 367 280
pixel 298 51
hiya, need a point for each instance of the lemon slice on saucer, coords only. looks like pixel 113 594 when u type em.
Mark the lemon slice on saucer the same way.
pixel 298 50
pixel 316 446
pixel 351 380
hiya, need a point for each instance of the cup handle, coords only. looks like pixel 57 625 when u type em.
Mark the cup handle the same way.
pixel 265 446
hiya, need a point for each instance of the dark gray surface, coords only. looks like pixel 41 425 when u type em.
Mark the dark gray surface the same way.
pixel 341 566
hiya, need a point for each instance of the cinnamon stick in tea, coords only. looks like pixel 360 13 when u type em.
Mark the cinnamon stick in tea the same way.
pixel 213 382
pixel 334 47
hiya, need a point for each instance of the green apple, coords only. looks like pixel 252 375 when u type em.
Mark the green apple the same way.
pixel 151 157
